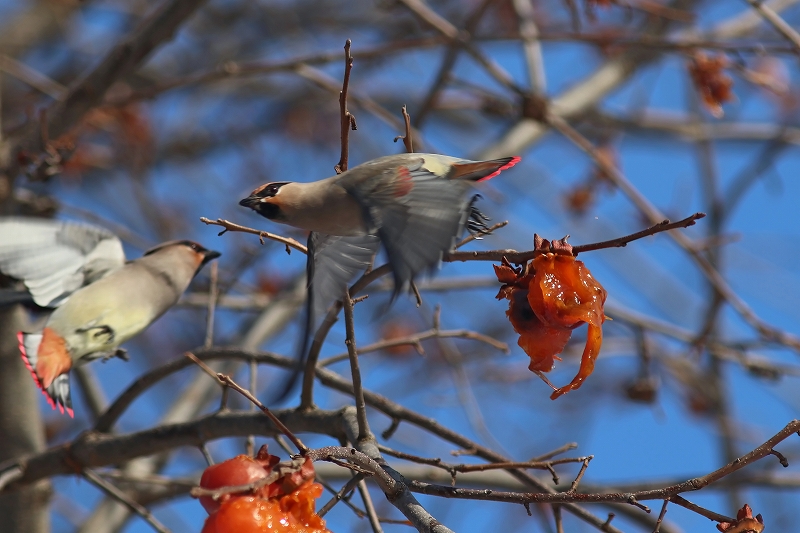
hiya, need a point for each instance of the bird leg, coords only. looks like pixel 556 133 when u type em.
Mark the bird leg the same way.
pixel 122 353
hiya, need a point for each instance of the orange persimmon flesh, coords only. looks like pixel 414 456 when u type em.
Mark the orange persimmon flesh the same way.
pixel 549 298
pixel 284 506
pixel 292 513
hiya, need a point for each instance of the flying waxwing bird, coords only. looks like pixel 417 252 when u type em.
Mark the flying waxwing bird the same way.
pixel 101 301
pixel 416 205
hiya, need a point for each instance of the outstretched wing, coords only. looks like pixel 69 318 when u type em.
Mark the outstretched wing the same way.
pixel 56 258
pixel 417 213
pixel 417 204
pixel 333 262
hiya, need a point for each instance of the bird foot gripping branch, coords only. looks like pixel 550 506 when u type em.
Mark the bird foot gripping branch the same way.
pixel 550 297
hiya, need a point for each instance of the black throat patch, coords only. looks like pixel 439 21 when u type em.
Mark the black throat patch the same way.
pixel 268 210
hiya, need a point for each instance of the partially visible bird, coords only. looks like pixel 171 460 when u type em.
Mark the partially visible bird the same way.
pixel 416 205
pixel 101 300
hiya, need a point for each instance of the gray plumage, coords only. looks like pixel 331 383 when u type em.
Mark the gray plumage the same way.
pixel 54 259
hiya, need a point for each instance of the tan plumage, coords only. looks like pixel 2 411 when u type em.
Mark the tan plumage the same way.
pixel 94 313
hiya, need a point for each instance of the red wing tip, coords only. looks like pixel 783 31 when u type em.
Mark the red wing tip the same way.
pixel 511 162
pixel 70 412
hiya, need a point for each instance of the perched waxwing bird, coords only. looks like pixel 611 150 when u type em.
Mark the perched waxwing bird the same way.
pixel 416 205
pixel 100 300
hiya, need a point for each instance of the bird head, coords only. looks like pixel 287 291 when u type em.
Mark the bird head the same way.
pixel 179 253
pixel 265 200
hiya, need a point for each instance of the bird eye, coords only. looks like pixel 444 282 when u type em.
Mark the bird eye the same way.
pixel 268 191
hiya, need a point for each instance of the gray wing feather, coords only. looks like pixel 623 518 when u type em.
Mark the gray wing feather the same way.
pixel 333 263
pixel 418 227
pixel 53 258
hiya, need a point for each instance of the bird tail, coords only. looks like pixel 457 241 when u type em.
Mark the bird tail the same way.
pixel 48 361
pixel 481 170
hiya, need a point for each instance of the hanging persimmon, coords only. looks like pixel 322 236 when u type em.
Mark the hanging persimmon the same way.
pixel 550 297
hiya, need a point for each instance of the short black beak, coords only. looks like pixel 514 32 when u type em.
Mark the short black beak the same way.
pixel 250 202
pixel 210 255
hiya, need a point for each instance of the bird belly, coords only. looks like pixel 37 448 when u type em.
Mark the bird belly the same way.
pixel 102 333
pixel 107 313
pixel 338 214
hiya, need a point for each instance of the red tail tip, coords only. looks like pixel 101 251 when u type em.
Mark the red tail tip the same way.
pixel 514 160
pixel 511 162
pixel 50 401
pixel 24 355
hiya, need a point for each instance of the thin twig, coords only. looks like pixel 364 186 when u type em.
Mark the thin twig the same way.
pixel 341 494
pixel 323 80
pixel 229 382
pixel 702 511
pixel 521 257
pixel 557 517
pixel 111 490
pixel 408 139
pixel 230 226
pixel 307 391
pixel 466 468
pixel 250 445
pixel 558 451
pixel 372 514
pixel 777 22
pixel 529 34
pixel 661 516
pixel 582 471
pixel 620 242
pixel 417 295
pixel 206 454
pixel 363 426
pixel 213 292
pixel 348 121
pixel 415 340
pixel 33 77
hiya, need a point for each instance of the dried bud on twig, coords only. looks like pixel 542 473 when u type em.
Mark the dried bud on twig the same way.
pixel 711 81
